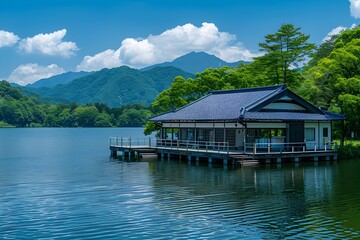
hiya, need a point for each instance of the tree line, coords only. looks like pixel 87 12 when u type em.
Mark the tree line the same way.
pixel 19 110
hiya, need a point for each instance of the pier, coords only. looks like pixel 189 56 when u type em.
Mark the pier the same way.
pixel 221 152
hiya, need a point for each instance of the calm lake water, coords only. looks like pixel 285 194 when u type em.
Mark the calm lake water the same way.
pixel 62 184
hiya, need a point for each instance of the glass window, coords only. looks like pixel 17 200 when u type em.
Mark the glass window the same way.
pixel 219 135
pixel 175 133
pixel 231 136
pixel 325 132
pixel 310 134
pixel 191 134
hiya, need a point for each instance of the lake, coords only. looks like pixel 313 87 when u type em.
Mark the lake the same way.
pixel 59 183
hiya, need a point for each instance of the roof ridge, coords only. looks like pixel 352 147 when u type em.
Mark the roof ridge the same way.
pixel 280 88
pixel 251 89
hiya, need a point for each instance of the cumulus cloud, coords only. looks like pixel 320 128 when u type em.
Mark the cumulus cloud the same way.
pixel 8 39
pixel 169 45
pixel 355 8
pixel 333 32
pixel 337 31
pixel 30 73
pixel 49 44
pixel 106 59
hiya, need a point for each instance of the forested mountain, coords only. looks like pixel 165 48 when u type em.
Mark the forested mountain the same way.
pixel 58 79
pixel 196 62
pixel 113 87
pixel 19 110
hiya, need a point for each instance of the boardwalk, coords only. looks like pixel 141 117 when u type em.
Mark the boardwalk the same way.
pixel 220 151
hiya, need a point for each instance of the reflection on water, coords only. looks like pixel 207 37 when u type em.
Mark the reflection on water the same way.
pixel 263 202
pixel 50 189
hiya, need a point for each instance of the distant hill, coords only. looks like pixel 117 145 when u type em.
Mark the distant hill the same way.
pixel 58 79
pixel 195 62
pixel 114 87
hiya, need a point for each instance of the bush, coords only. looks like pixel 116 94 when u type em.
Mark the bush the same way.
pixel 5 125
pixel 349 151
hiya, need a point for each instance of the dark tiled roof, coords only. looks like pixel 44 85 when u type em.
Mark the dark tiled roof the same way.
pixel 289 116
pixel 227 106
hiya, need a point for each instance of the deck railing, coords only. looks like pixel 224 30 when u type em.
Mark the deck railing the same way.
pixel 290 147
pixel 224 147
pixel 189 145
pixel 132 142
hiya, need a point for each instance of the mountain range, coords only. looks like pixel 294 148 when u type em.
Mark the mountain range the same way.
pixel 58 79
pixel 196 62
pixel 122 85
pixel 114 87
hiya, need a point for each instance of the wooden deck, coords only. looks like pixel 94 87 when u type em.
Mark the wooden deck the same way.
pixel 216 152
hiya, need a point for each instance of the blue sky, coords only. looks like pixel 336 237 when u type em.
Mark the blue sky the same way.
pixel 41 38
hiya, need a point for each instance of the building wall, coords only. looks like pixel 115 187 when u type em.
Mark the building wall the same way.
pixel 316 129
pixel 319 139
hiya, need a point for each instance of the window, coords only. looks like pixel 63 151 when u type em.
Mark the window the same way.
pixel 219 135
pixel 254 135
pixel 175 134
pixel 325 132
pixel 310 134
pixel 230 136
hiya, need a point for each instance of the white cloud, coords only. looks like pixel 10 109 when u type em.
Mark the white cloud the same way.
pixel 169 45
pixel 337 31
pixel 49 44
pixel 30 73
pixel 333 32
pixel 106 59
pixel 8 39
pixel 355 8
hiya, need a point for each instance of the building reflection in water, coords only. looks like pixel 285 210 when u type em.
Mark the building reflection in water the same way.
pixel 272 201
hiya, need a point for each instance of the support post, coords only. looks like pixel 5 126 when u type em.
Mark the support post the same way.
pixel 114 153
pixel 316 158
pixel 297 159
pixel 225 162
pixel 278 160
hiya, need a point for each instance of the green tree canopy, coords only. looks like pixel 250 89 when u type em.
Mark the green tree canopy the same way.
pixel 285 49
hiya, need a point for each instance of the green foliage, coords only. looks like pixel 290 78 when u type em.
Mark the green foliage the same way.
pixel 5 125
pixel 349 151
pixel 335 80
pixel 286 48
pixel 17 109
pixel 21 111
pixel 321 52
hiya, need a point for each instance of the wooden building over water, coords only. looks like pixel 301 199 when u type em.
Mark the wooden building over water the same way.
pixel 264 123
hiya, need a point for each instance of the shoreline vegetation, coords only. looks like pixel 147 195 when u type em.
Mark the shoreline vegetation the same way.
pixel 330 80
pixel 19 110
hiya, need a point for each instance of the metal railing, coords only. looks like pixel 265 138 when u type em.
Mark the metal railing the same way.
pixel 170 144
pixel 132 142
pixel 195 146
pixel 290 147
pixel 223 147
